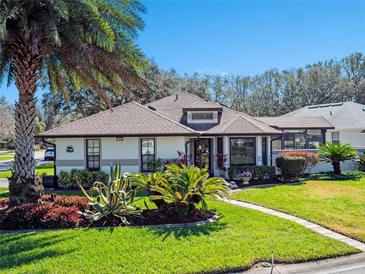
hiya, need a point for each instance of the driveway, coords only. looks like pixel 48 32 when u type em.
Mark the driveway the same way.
pixel 38 155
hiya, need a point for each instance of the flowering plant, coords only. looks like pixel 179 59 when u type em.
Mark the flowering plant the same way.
pixel 246 174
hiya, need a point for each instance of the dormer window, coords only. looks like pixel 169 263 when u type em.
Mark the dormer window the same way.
pixel 202 115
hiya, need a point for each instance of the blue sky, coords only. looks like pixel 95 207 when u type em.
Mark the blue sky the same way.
pixel 247 38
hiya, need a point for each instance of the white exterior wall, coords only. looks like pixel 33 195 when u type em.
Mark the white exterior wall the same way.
pixel 167 147
pixel 349 136
pixel 69 160
pixel 125 151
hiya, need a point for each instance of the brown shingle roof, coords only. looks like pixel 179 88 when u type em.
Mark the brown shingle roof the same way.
pixel 231 122
pixel 130 119
pixel 283 122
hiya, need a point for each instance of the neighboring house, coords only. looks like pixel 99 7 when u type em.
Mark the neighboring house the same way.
pixel 348 118
pixel 135 135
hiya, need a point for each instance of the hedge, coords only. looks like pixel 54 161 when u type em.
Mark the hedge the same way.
pixel 86 177
pixel 258 172
pixel 291 166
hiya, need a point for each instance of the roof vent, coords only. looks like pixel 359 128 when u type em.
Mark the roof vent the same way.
pixel 151 108
pixel 331 112
pixel 176 97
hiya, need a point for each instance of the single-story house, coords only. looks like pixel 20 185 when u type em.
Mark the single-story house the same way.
pixel 135 135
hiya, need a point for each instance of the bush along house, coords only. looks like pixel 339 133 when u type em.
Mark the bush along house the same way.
pixel 209 134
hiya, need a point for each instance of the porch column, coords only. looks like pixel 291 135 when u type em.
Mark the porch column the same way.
pixel 268 151
pixel 259 151
pixel 226 152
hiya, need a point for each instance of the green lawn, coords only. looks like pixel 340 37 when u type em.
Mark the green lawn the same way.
pixel 43 169
pixel 6 157
pixel 338 205
pixel 238 239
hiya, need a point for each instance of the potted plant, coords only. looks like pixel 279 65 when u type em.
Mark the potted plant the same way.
pixel 246 177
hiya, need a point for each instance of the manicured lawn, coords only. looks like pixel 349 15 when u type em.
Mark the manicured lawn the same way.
pixel 6 157
pixel 338 205
pixel 239 238
pixel 43 169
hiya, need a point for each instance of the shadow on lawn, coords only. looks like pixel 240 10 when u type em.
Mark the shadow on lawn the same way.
pixel 187 231
pixel 25 248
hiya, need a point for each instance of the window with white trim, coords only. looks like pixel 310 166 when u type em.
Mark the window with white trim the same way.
pixel 335 137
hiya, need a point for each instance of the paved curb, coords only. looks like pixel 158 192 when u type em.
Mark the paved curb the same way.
pixel 312 226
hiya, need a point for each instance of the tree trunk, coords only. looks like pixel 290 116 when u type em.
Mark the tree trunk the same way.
pixel 24 186
pixel 336 167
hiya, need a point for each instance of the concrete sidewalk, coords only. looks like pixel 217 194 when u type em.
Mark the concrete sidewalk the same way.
pixel 354 264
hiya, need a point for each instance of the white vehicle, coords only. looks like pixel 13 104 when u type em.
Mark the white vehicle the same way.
pixel 232 185
pixel 49 154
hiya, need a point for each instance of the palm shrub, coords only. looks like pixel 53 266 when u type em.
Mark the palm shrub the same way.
pixel 112 200
pixel 335 154
pixel 186 187
pixel 58 43
pixel 142 182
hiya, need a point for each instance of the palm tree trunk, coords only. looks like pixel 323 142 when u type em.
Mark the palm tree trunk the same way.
pixel 336 167
pixel 23 185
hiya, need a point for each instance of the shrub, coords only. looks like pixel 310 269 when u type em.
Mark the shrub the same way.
pixel 311 158
pixel 186 187
pixel 290 166
pixel 143 182
pixel 33 215
pixel 112 200
pixel 86 177
pixel 335 154
pixel 53 212
pixel 258 172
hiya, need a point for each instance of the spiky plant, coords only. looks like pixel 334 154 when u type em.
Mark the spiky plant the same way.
pixel 335 154
pixel 84 43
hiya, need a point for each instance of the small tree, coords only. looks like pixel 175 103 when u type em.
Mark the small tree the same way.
pixel 335 154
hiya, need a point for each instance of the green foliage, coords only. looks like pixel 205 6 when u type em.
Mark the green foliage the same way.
pixel 186 187
pixel 112 200
pixel 335 154
pixel 291 166
pixel 79 43
pixel 84 177
pixel 258 172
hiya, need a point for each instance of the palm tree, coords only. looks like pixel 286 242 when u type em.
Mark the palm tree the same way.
pixel 84 43
pixel 335 154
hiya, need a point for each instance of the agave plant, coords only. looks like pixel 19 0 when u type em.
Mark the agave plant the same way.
pixel 112 200
pixel 143 182
pixel 186 187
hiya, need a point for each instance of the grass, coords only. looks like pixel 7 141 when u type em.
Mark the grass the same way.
pixel 338 205
pixel 41 169
pixel 6 157
pixel 239 239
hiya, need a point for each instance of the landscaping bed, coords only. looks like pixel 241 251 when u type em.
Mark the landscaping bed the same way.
pixel 66 212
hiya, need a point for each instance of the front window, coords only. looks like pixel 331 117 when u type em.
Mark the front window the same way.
pixel 93 154
pixel 148 155
pixel 303 139
pixel 243 151
pixel 335 137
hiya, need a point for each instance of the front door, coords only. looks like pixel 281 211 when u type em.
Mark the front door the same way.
pixel 202 153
